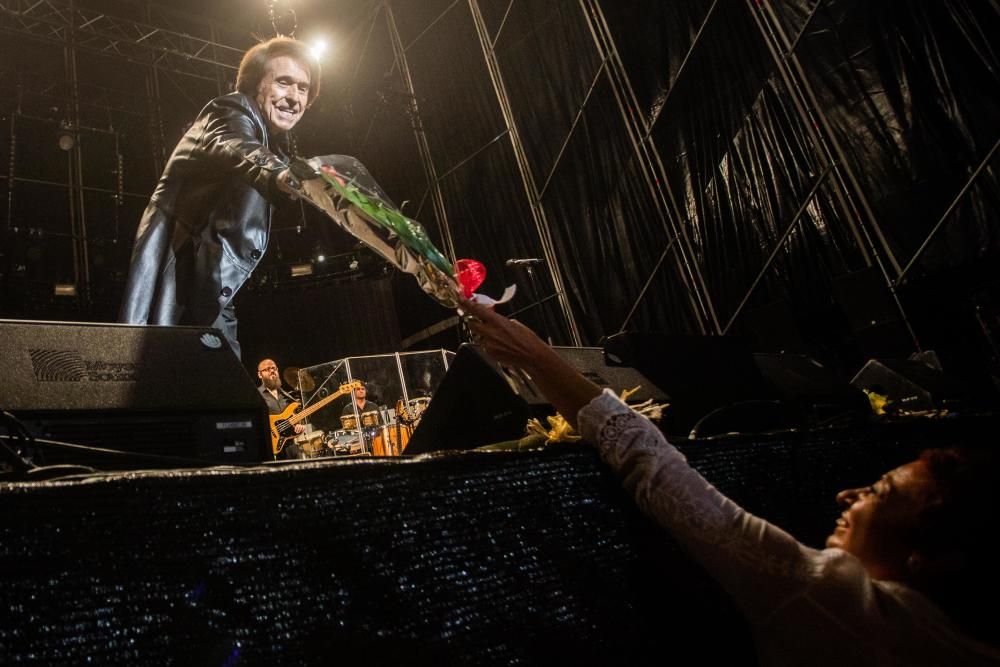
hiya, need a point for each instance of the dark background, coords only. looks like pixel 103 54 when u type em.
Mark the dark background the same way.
pixel 818 176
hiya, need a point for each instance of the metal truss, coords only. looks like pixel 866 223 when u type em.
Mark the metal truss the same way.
pixel 34 94
pixel 675 224
pixel 148 45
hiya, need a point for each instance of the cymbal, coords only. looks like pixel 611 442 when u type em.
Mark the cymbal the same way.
pixel 291 377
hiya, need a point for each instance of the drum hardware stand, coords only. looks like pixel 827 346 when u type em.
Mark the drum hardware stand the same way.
pixel 384 427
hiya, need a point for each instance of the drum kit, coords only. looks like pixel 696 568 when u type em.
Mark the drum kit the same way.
pixel 311 445
pixel 368 420
pixel 374 437
pixel 377 437
pixel 345 442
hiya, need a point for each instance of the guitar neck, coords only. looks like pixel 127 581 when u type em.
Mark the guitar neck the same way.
pixel 302 414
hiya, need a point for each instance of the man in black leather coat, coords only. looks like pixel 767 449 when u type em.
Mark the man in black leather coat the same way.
pixel 208 221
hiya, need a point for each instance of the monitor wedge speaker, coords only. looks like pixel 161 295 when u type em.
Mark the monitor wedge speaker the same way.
pixel 147 390
pixel 479 403
pixel 911 385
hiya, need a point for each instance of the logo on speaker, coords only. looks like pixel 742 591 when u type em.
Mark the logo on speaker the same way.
pixel 211 341
pixel 57 366
pixel 69 366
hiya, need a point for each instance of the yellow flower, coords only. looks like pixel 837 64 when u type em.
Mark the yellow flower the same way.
pixel 878 402
pixel 559 429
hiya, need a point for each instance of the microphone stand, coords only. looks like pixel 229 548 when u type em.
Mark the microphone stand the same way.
pixel 532 305
pixel 536 301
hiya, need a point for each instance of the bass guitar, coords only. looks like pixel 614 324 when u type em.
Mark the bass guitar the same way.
pixel 283 425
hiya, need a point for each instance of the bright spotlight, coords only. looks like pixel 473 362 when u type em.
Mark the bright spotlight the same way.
pixel 318 47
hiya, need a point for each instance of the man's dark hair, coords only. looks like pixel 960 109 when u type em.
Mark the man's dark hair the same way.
pixel 255 61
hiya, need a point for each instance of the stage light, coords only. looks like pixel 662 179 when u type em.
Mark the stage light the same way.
pixel 62 289
pixel 299 270
pixel 318 47
pixel 66 136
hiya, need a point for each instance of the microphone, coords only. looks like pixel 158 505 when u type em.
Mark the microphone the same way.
pixel 528 261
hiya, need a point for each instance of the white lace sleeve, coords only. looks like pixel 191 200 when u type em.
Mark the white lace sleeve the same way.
pixel 760 565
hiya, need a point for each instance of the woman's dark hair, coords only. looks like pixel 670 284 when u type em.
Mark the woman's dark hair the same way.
pixel 255 60
pixel 964 502
pixel 957 532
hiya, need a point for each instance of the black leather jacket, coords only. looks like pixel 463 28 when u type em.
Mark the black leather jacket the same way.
pixel 207 224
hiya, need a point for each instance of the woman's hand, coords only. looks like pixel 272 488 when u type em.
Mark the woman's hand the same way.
pixel 513 344
pixel 508 341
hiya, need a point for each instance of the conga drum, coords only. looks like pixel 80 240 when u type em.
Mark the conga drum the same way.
pixel 390 440
pixel 400 435
pixel 381 442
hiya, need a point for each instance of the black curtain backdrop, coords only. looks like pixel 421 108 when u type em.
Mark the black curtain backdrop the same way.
pixel 316 322
pixel 776 181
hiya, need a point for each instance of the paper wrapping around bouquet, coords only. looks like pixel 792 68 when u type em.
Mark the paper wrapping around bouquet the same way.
pixel 341 187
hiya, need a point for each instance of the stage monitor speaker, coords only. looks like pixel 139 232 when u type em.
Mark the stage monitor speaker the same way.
pixel 474 405
pixel 816 394
pixel 591 363
pixel 164 391
pixel 700 374
pixel 911 385
pixel 478 403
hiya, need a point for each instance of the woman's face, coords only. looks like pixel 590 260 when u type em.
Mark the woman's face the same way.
pixel 878 521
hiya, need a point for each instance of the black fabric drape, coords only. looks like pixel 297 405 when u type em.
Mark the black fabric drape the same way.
pixel 912 93
pixel 727 130
pixel 315 322
pixel 750 114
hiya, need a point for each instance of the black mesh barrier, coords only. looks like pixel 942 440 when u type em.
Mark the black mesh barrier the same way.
pixel 470 558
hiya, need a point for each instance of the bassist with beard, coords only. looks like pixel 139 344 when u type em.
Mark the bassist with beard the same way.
pixel 277 399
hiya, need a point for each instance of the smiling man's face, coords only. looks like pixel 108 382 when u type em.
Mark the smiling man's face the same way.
pixel 283 93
